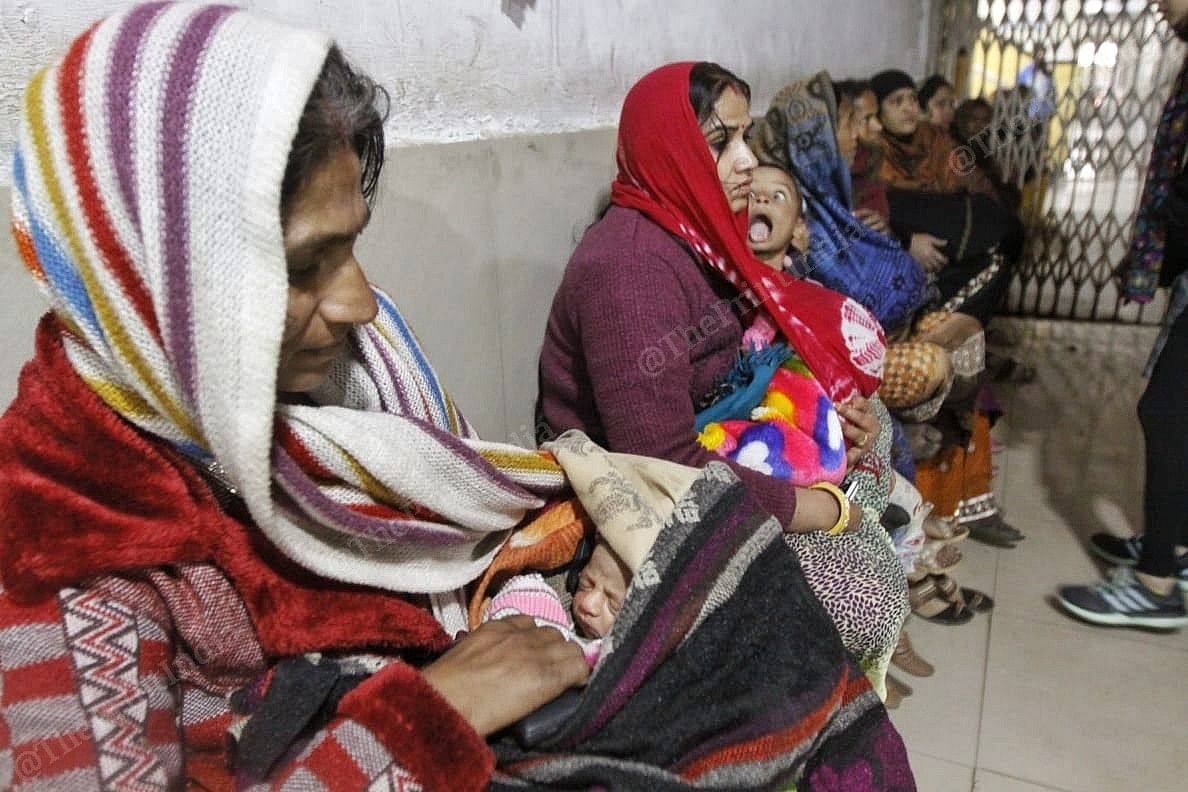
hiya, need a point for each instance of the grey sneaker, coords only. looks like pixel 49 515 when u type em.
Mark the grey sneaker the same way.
pixel 1123 601
pixel 1127 552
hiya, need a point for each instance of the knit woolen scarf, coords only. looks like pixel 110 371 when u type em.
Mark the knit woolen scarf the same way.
pixel 1150 225
pixel 146 204
pixel 667 173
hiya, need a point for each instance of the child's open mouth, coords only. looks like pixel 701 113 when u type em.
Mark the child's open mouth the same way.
pixel 760 230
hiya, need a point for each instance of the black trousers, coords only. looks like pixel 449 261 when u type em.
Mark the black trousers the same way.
pixel 1163 413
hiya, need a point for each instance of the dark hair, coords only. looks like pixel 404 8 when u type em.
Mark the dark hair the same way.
pixel 849 89
pixel 707 83
pixel 963 113
pixel 930 87
pixel 345 107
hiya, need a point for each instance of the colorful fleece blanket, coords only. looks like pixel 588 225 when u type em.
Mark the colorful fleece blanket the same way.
pixel 777 419
pixel 725 673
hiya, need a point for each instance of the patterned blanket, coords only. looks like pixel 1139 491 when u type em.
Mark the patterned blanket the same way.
pixel 725 673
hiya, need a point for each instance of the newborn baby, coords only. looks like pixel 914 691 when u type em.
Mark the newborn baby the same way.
pixel 600 590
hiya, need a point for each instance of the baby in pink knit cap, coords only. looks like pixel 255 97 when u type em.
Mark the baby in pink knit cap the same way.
pixel 601 587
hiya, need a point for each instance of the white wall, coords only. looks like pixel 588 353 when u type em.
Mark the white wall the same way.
pixel 503 145
pixel 468 69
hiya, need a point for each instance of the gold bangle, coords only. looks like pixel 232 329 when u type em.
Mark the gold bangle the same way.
pixel 843 505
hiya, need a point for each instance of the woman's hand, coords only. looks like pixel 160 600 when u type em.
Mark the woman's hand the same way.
pixel 860 426
pixel 504 670
pixel 873 220
pixel 926 249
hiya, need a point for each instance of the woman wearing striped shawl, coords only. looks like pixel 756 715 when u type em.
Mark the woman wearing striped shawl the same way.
pixel 173 531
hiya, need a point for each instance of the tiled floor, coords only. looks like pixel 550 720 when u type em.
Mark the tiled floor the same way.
pixel 1028 699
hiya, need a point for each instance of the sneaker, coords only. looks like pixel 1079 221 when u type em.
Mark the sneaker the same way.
pixel 1123 601
pixel 1127 552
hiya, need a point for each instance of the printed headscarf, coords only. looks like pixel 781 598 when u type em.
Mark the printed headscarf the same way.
pixel 147 204
pixel 799 134
pixel 667 173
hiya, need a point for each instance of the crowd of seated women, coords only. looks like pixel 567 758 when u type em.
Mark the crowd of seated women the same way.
pixel 857 185
pixel 231 474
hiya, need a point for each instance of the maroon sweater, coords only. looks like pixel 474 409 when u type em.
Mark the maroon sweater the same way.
pixel 638 334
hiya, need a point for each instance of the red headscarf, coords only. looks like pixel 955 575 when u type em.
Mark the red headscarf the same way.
pixel 666 172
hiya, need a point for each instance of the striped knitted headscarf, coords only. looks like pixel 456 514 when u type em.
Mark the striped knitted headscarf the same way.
pixel 147 205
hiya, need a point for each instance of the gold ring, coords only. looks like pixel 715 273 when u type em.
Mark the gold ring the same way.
pixel 865 437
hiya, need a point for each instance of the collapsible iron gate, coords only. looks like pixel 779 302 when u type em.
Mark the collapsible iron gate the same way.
pixel 1077 87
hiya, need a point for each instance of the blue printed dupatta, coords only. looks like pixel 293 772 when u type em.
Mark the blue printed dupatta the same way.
pixel 798 134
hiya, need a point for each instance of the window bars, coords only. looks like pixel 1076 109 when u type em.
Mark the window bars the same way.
pixel 1077 88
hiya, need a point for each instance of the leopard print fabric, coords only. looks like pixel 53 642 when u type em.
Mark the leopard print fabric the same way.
pixel 857 576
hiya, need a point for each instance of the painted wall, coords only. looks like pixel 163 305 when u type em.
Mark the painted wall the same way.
pixel 468 69
pixel 502 145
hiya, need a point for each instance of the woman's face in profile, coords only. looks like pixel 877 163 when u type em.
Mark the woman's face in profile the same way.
pixel 328 292
pixel 866 116
pixel 847 130
pixel 725 133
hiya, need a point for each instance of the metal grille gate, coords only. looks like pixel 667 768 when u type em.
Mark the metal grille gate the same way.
pixel 1077 87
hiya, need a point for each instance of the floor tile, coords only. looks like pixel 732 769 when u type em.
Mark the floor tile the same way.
pixel 1053 555
pixel 938 775
pixel 985 781
pixel 1079 710
pixel 941 717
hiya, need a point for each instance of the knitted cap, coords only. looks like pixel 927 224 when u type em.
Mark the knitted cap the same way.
pixel 888 82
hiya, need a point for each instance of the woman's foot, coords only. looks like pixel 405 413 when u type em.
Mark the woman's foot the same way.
pixel 896 692
pixel 929 603
pixel 944 530
pixel 906 659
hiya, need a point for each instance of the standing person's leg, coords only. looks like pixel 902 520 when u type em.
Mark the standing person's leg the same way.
pixel 1149 597
pixel 1163 413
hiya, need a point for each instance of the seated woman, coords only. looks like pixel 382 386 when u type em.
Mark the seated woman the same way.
pixel 650 315
pixel 240 512
pixel 975 242
pixel 813 128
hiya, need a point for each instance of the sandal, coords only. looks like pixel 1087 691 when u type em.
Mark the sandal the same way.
pixel 906 659
pixel 944 530
pixel 937 558
pixel 927 603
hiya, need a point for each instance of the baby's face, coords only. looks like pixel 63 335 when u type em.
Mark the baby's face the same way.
pixel 601 588
pixel 774 211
